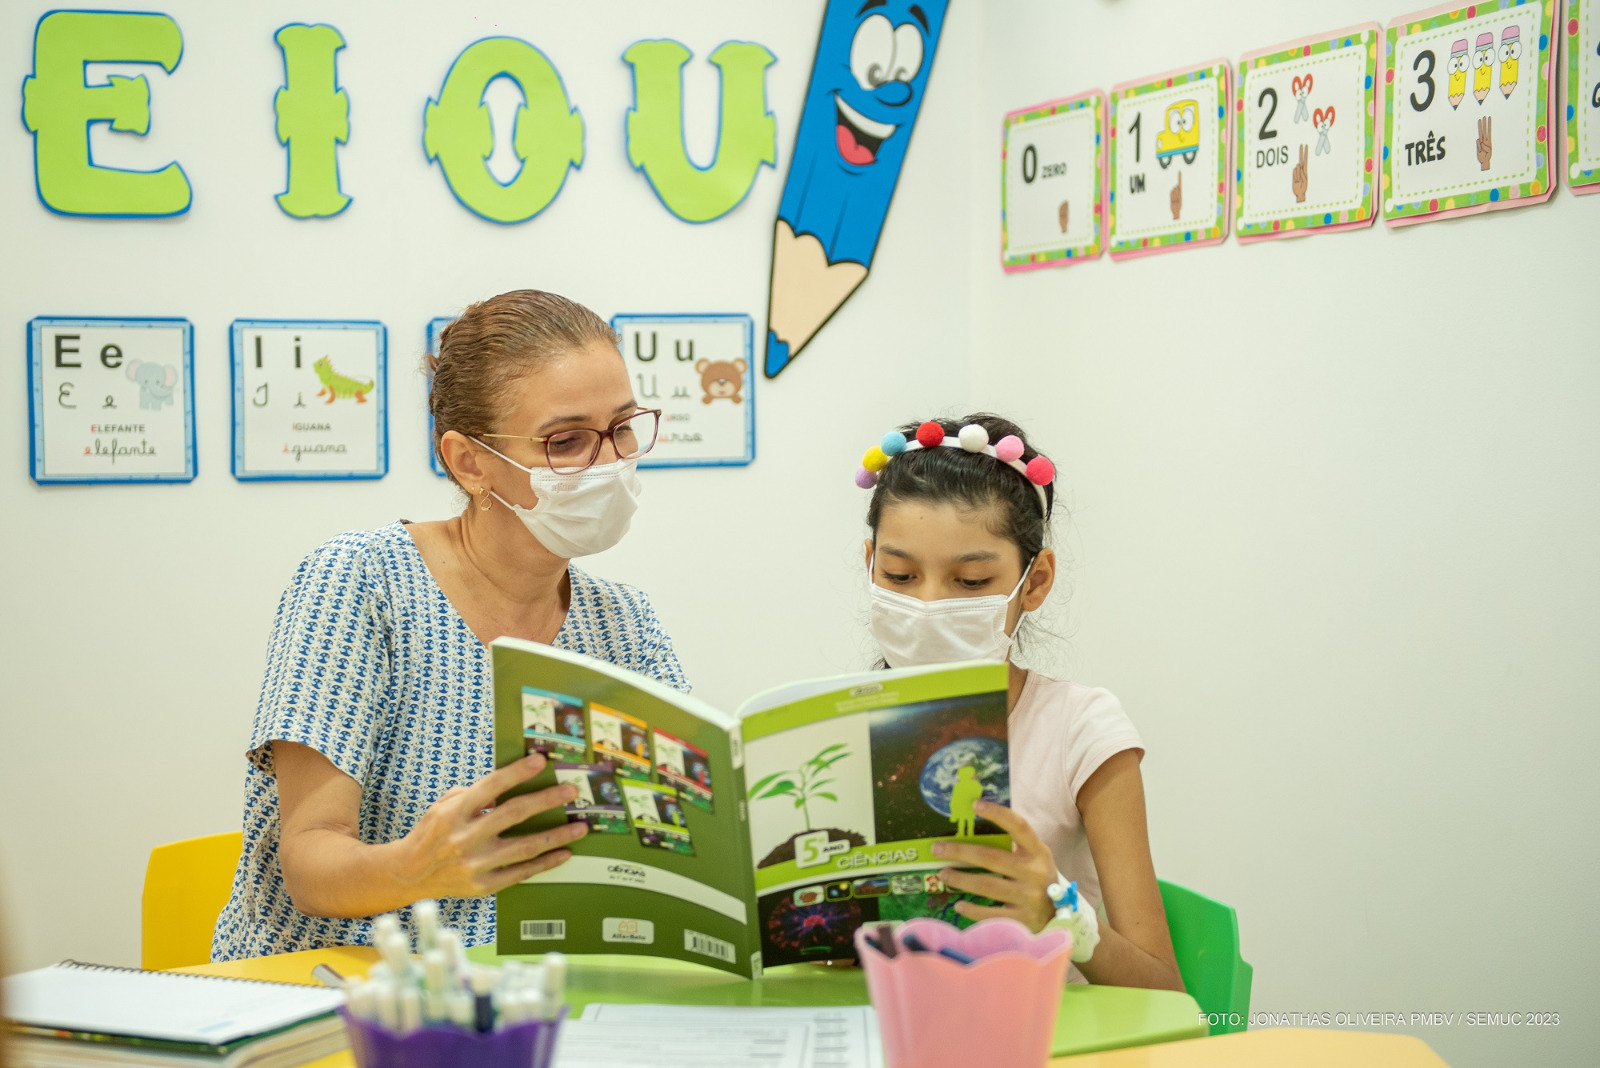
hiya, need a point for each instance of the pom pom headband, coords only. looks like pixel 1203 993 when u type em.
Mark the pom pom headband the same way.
pixel 1039 471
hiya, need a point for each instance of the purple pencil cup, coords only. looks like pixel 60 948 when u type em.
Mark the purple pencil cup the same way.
pixel 524 1045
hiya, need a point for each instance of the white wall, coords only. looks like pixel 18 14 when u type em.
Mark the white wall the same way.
pixel 136 617
pixel 1337 561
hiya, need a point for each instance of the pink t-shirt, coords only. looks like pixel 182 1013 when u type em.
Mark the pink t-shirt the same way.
pixel 1060 734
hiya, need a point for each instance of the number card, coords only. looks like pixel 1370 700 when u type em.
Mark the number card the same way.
pixel 1467 110
pixel 1168 187
pixel 1307 115
pixel 1582 60
pixel 1052 184
pixel 435 329
pixel 309 399
pixel 112 400
pixel 700 371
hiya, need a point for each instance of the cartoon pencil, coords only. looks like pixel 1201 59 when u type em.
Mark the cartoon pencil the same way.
pixel 867 82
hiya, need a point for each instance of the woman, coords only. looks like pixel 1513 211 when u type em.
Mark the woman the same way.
pixel 369 784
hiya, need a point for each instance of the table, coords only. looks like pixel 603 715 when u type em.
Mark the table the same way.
pixel 1091 1017
pixel 1272 1048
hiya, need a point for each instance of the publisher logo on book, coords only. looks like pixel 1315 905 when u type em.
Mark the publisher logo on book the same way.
pixel 627 929
pixel 622 872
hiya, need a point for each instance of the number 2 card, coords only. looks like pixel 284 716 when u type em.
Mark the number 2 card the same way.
pixel 1582 59
pixel 1052 189
pixel 1168 185
pixel 1307 117
pixel 1467 110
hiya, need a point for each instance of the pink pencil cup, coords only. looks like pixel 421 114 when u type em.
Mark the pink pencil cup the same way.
pixel 935 1012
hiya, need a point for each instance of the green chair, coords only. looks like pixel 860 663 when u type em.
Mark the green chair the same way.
pixel 1205 939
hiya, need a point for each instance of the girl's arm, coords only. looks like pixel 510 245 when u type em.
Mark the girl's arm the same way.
pixel 455 850
pixel 1135 947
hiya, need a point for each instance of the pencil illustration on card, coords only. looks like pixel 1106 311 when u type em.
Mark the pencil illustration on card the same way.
pixel 867 83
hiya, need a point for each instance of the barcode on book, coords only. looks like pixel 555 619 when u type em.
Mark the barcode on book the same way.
pixel 544 930
pixel 707 946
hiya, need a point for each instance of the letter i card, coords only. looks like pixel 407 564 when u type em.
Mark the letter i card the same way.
pixel 310 399
pixel 1052 185
pixel 1467 114
pixel 111 400
pixel 1168 187
pixel 1307 118
pixel 1582 60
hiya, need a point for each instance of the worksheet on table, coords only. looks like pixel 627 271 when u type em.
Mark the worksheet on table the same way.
pixel 686 1036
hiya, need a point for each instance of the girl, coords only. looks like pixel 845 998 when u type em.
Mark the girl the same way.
pixel 957 554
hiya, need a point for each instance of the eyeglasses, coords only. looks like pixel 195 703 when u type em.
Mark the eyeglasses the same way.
pixel 570 451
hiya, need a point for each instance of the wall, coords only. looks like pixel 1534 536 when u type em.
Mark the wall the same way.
pixel 137 616
pixel 1336 560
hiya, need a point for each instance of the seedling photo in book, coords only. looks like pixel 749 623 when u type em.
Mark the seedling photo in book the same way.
pixel 753 839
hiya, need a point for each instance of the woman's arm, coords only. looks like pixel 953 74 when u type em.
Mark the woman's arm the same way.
pixel 453 851
pixel 1135 948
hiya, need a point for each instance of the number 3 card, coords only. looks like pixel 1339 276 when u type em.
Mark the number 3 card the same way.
pixel 1307 114
pixel 1467 102
pixel 1582 59
pixel 1052 183
pixel 1169 161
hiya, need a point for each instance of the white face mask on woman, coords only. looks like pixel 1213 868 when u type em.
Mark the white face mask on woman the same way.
pixel 913 633
pixel 579 514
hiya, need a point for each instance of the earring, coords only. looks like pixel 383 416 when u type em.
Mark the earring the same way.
pixel 483 498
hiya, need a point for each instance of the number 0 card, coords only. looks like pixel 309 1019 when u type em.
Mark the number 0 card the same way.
pixel 1052 185
pixel 1307 114
pixel 1467 110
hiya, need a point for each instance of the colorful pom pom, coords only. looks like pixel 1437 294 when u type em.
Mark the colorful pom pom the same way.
pixel 874 459
pixel 893 444
pixel 1009 448
pixel 1041 472
pixel 930 435
pixel 973 437
pixel 866 479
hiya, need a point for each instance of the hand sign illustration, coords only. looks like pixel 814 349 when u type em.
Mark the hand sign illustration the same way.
pixel 1299 178
pixel 1301 88
pixel 1177 198
pixel 1485 142
pixel 1322 119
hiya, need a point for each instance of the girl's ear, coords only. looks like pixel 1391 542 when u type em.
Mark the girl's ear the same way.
pixel 1041 578
pixel 868 560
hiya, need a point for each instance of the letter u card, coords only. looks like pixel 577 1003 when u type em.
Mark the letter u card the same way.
pixel 1052 186
pixel 1582 60
pixel 309 399
pixel 1307 116
pixel 1168 187
pixel 1467 105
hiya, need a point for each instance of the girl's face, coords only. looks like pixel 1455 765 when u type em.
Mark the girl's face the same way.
pixel 935 550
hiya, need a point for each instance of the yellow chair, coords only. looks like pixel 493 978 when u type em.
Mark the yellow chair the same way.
pixel 185 886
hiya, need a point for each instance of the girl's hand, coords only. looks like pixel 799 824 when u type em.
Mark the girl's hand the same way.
pixel 455 850
pixel 1020 875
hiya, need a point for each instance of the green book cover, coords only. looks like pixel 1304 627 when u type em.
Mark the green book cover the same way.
pixel 749 840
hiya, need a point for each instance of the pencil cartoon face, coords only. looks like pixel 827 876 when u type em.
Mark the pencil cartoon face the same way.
pixel 1458 72
pixel 1483 66
pixel 1510 53
pixel 867 83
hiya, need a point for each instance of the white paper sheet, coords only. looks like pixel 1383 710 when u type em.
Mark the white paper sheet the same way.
pixel 691 1036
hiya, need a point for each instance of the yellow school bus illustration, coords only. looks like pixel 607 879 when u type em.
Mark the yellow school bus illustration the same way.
pixel 1182 135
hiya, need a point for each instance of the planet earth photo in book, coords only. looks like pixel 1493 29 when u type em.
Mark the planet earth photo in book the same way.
pixel 987 758
pixel 918 751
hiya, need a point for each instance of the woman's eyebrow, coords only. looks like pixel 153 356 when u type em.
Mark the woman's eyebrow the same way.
pixel 559 420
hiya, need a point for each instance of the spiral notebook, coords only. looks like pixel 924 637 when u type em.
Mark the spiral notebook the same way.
pixel 75 1013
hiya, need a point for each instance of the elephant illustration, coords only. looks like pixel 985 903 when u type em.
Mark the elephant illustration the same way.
pixel 156 382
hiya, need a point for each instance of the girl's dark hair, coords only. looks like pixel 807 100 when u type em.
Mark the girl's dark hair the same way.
pixel 970 480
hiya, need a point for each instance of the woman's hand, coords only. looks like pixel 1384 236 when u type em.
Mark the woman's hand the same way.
pixel 1019 877
pixel 455 850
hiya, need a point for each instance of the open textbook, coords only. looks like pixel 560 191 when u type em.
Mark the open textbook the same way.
pixel 747 840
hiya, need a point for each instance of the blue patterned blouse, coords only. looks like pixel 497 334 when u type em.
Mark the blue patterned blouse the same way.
pixel 370 665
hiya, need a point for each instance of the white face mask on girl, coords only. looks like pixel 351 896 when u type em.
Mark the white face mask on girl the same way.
pixel 913 633
pixel 579 514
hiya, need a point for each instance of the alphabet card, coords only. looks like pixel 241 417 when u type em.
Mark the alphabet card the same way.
pixel 1582 60
pixel 1168 187
pixel 309 399
pixel 111 400
pixel 1307 116
pixel 1052 183
pixel 1467 102
pixel 435 331
pixel 700 371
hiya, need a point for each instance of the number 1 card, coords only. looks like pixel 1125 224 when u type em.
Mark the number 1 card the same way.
pixel 1307 114
pixel 1168 186
pixel 1467 110
pixel 1582 60
pixel 1052 185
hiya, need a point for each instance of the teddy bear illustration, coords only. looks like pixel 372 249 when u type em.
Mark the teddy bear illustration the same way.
pixel 721 378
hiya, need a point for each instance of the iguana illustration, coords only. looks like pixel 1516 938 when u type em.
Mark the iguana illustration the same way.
pixel 335 385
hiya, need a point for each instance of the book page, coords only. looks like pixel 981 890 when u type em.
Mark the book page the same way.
pixel 849 788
